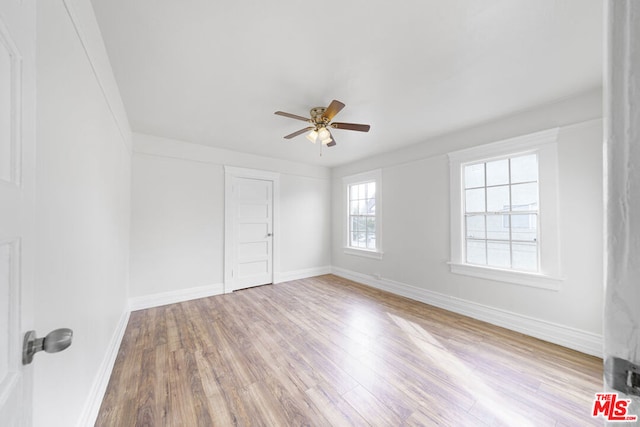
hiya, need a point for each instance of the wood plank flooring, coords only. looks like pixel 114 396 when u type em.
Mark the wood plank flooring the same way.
pixel 326 351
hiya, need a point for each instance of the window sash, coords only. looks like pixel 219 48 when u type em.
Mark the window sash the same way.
pixel 483 245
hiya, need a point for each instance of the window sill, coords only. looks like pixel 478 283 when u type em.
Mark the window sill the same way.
pixel 363 253
pixel 534 280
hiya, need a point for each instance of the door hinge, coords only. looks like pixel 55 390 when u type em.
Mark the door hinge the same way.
pixel 623 375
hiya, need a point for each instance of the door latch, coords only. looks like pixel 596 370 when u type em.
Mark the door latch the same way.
pixel 623 375
pixel 54 342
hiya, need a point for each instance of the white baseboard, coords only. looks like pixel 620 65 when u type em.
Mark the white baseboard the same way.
pixel 172 297
pixel 301 274
pixel 101 381
pixel 583 341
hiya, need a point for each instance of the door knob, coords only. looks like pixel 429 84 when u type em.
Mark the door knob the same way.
pixel 269 234
pixel 54 342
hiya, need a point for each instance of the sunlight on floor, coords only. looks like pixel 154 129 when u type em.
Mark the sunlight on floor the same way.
pixel 459 372
pixel 360 333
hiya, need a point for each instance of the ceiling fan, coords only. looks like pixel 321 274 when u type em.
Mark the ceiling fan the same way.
pixel 321 123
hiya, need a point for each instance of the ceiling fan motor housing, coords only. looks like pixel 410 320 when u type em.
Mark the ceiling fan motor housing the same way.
pixel 316 114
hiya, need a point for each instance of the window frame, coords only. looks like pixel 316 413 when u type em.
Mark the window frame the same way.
pixel 544 144
pixel 347 182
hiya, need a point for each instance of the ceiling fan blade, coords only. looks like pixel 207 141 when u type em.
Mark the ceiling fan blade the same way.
pixel 300 132
pixel 332 143
pixel 292 116
pixel 351 126
pixel 333 109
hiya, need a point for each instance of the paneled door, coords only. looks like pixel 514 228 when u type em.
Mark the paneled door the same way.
pixel 17 191
pixel 250 224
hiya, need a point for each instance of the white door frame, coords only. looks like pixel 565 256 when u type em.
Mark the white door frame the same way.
pixel 231 172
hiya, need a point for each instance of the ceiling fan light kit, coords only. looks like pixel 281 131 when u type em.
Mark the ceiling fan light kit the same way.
pixel 312 136
pixel 320 121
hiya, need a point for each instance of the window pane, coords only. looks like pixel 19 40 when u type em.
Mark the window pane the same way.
pixel 525 256
pixel 498 198
pixel 524 197
pixel 353 192
pixel 498 227
pixel 362 207
pixel 354 239
pixel 524 227
pixel 353 226
pixel 524 168
pixel 353 209
pixel 371 190
pixel 475 227
pixel 371 207
pixel 498 254
pixel 371 241
pixel 476 253
pixel 371 225
pixel 498 172
pixel 474 200
pixel 474 176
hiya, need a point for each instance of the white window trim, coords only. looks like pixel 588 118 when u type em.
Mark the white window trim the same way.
pixel 544 144
pixel 374 175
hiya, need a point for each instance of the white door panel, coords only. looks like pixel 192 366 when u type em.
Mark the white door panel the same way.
pixel 250 270
pixel 17 181
pixel 246 190
pixel 247 211
pixel 253 250
pixel 6 100
pixel 251 232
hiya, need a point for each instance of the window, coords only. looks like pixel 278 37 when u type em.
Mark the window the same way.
pixel 504 222
pixel 362 215
pixel 362 236
pixel 501 213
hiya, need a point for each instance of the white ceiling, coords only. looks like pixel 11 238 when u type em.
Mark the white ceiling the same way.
pixel 213 71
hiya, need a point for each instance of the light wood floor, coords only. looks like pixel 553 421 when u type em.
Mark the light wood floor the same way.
pixel 328 352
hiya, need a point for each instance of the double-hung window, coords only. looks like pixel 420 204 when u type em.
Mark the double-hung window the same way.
pixel 362 230
pixel 504 204
pixel 501 213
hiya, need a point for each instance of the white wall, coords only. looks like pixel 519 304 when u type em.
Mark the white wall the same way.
pixel 416 224
pixel 305 221
pixel 175 240
pixel 83 210
pixel 177 237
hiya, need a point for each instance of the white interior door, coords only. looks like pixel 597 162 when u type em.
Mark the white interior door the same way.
pixel 250 212
pixel 622 130
pixel 17 179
